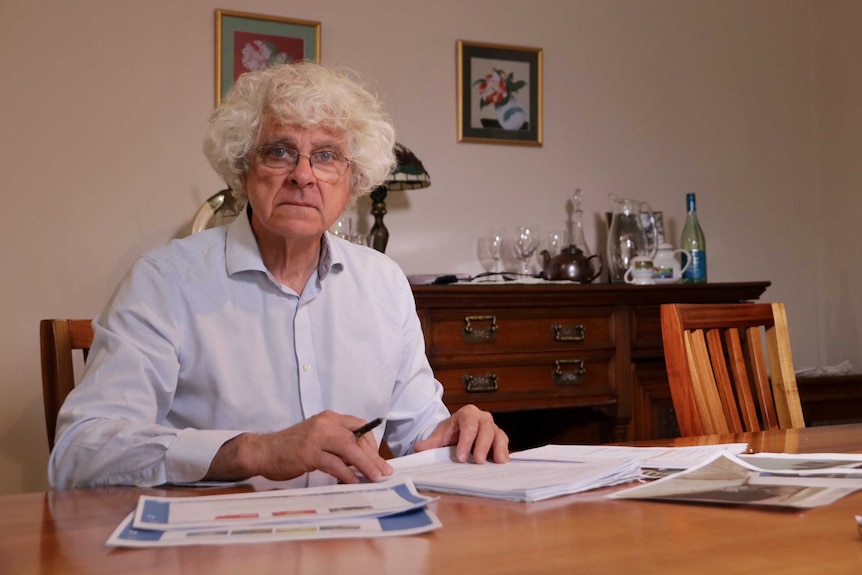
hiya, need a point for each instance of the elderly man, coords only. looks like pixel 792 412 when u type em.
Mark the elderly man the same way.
pixel 258 348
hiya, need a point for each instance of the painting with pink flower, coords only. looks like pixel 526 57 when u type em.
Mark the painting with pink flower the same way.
pixel 246 42
pixel 499 94
pixel 259 51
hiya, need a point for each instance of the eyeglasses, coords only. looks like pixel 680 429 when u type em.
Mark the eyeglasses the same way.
pixel 326 165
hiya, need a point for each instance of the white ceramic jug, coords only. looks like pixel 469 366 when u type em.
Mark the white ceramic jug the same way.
pixel 666 266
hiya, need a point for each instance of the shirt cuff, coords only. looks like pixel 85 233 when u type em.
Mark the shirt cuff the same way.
pixel 190 455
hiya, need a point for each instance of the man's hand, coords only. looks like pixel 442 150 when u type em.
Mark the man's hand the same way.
pixel 324 441
pixel 473 430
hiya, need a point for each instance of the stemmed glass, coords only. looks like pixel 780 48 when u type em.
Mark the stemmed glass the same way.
pixel 526 242
pixel 494 244
pixel 554 243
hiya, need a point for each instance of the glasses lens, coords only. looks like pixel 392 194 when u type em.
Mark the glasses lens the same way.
pixel 278 157
pixel 326 166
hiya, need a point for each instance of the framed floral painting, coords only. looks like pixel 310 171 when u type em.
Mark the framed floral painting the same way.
pixel 499 94
pixel 246 42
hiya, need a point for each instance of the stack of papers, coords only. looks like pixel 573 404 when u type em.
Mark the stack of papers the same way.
pixel 799 481
pixel 381 509
pixel 545 472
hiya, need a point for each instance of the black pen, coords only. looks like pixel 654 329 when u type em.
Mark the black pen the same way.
pixel 360 431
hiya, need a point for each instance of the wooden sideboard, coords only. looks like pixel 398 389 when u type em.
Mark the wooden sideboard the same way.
pixel 559 357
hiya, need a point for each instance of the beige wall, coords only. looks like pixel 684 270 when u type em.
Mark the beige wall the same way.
pixel 104 104
pixel 837 86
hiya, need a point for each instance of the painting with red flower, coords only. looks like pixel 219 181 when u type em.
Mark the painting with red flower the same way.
pixel 499 94
pixel 246 42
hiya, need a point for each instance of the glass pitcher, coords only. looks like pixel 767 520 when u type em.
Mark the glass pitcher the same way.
pixel 632 233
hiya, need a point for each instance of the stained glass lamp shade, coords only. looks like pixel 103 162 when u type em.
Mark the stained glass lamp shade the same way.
pixel 409 174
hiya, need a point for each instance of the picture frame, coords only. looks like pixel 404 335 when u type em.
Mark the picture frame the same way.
pixel 246 41
pixel 499 93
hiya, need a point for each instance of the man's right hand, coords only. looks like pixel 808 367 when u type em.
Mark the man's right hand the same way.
pixel 323 442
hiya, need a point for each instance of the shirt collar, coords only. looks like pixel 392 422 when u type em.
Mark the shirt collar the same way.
pixel 243 254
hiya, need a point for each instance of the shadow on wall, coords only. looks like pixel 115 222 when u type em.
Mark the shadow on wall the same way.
pixel 841 321
pixel 24 442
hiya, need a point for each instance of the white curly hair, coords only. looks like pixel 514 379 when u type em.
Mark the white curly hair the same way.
pixel 306 95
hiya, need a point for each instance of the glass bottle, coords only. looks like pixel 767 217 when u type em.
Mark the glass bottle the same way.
pixel 693 240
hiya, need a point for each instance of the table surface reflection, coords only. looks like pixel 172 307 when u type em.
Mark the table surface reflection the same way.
pixel 65 532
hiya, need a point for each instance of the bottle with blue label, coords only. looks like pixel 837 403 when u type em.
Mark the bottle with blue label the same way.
pixel 694 241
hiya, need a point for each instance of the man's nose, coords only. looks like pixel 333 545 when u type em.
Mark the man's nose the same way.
pixel 302 173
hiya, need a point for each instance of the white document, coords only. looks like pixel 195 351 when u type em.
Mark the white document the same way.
pixel 729 480
pixel 518 480
pixel 655 462
pixel 807 464
pixel 676 458
pixel 278 506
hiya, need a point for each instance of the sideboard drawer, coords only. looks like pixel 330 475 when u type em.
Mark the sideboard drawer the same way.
pixel 484 331
pixel 561 379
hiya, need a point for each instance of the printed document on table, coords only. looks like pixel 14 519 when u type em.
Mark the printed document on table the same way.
pixel 411 522
pixel 728 479
pixel 807 464
pixel 677 458
pixel 278 506
pixel 518 480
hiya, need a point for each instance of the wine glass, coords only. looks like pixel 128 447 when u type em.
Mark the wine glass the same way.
pixel 494 245
pixel 554 242
pixel 343 227
pixel 524 246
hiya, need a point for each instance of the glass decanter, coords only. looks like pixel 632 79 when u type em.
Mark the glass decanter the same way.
pixel 578 239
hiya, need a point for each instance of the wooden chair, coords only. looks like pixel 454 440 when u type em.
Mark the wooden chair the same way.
pixel 59 338
pixel 718 370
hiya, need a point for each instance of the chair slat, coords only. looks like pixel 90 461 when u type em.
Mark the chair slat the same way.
pixel 706 393
pixel 762 385
pixel 741 380
pixel 722 380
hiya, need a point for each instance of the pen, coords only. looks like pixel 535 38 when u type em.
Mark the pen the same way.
pixel 360 431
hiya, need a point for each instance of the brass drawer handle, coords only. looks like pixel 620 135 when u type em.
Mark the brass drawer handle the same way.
pixel 571 376
pixel 478 384
pixel 473 334
pixel 569 332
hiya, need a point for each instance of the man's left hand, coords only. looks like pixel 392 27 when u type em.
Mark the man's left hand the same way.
pixel 472 430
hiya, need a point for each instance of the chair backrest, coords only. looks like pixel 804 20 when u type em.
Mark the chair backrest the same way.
pixel 58 339
pixel 718 372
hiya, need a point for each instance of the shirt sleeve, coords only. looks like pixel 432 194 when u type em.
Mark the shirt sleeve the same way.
pixel 108 430
pixel 417 401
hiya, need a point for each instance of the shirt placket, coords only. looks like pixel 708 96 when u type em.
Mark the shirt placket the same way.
pixel 310 394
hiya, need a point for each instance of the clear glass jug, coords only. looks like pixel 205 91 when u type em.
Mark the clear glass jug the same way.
pixel 632 233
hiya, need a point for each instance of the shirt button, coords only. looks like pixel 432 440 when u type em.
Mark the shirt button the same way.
pixel 306 367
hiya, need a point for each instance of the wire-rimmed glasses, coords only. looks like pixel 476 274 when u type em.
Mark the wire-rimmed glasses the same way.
pixel 326 165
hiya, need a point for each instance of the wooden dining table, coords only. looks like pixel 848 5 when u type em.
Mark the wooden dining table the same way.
pixel 65 532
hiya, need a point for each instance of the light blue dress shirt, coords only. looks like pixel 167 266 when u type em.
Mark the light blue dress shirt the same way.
pixel 199 344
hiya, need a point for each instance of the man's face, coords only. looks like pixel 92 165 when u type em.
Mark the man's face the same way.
pixel 298 203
